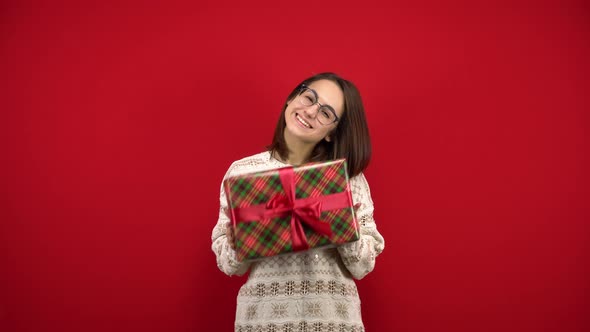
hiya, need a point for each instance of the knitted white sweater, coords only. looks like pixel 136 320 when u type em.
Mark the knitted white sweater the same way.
pixel 311 291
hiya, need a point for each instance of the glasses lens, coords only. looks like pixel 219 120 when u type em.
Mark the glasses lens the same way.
pixel 326 116
pixel 307 98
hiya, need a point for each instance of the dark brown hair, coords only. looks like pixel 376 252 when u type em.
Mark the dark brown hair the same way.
pixel 350 140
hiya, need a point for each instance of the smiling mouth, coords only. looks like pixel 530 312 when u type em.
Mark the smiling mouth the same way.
pixel 303 122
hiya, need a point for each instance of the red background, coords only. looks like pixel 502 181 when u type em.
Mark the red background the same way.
pixel 118 122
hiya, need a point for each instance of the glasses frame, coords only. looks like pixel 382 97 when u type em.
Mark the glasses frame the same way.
pixel 304 88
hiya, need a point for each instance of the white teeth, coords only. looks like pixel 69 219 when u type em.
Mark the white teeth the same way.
pixel 303 121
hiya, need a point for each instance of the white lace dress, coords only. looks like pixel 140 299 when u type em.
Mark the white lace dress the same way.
pixel 311 291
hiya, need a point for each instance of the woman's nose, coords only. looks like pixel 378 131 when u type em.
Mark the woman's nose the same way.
pixel 312 111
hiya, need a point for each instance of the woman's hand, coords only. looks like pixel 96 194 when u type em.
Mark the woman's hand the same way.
pixel 229 231
pixel 356 207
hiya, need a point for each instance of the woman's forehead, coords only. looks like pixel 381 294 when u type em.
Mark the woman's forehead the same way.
pixel 329 93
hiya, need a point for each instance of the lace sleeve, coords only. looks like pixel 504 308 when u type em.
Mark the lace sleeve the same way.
pixel 226 256
pixel 359 256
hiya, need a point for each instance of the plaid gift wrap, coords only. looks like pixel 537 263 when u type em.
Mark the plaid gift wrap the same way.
pixel 291 209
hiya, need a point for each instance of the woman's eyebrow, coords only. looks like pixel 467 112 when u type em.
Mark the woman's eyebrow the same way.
pixel 317 97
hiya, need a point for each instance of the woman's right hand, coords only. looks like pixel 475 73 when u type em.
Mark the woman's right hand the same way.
pixel 229 232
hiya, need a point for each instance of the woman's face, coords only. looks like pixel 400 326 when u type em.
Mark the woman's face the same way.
pixel 302 121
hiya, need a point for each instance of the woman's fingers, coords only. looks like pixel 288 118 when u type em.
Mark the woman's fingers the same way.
pixel 356 207
pixel 229 232
pixel 226 212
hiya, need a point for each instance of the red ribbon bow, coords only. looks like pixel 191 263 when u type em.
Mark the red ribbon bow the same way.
pixel 307 211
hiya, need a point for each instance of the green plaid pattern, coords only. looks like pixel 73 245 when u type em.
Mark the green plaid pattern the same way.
pixel 264 238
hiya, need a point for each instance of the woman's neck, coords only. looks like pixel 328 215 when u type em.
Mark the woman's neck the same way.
pixel 297 158
pixel 299 152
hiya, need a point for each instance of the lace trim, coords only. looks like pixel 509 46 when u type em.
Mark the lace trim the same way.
pixel 274 274
pixel 297 288
pixel 301 327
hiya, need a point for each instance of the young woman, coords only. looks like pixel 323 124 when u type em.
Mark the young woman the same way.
pixel 323 119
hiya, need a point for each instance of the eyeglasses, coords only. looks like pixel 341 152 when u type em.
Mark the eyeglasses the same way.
pixel 325 113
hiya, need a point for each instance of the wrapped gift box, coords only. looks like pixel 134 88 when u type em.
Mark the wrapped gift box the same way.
pixel 291 209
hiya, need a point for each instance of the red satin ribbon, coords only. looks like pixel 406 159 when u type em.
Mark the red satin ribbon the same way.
pixel 303 210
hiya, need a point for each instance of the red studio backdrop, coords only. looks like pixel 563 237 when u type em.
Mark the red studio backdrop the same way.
pixel 118 122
